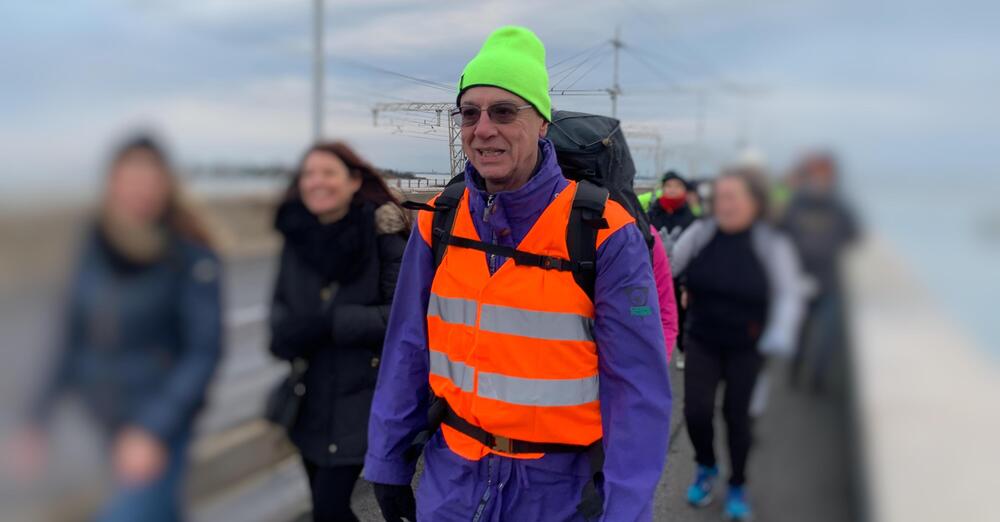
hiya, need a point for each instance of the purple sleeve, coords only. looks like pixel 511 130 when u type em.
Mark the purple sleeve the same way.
pixel 399 409
pixel 635 387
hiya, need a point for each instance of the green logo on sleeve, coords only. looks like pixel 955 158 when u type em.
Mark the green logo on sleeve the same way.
pixel 641 311
pixel 638 297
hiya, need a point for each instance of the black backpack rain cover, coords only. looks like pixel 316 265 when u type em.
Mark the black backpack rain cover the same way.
pixel 593 148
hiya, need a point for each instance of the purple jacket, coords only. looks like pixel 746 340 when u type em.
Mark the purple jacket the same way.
pixel 634 385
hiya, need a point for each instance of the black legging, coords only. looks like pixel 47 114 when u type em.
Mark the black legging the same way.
pixel 707 364
pixel 331 489
pixel 681 313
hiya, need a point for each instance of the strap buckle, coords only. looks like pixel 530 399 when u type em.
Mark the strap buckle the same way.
pixel 502 444
pixel 550 263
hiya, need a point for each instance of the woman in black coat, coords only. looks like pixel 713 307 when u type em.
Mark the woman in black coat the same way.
pixel 344 237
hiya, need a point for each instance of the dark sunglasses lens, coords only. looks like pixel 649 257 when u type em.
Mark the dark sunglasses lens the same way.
pixel 503 112
pixel 468 116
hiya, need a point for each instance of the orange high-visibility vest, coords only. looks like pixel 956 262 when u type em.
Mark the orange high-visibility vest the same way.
pixel 514 353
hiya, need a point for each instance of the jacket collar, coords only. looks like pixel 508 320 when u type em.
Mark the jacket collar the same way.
pixel 527 202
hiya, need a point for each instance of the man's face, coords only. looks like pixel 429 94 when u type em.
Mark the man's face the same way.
pixel 505 154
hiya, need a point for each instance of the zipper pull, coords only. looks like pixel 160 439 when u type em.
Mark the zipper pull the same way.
pixel 490 199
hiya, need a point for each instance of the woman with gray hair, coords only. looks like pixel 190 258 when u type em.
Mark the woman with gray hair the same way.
pixel 744 302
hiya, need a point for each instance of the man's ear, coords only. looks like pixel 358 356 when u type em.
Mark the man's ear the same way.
pixel 543 130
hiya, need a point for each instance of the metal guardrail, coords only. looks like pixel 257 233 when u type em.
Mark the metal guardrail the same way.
pixel 417 183
pixel 641 185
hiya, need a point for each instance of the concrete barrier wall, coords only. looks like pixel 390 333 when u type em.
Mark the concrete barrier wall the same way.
pixel 928 399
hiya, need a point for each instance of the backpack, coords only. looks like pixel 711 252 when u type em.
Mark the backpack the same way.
pixel 590 150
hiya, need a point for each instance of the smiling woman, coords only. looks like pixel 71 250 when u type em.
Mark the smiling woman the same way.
pixel 327 186
pixel 344 238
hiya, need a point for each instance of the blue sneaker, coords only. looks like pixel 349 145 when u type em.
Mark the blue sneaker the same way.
pixel 737 507
pixel 700 492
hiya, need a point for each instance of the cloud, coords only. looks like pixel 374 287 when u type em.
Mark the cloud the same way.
pixel 229 80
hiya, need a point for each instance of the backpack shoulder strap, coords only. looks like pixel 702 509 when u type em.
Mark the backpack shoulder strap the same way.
pixel 444 209
pixel 444 218
pixel 585 219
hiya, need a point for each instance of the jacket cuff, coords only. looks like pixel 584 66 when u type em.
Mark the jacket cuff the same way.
pixel 395 471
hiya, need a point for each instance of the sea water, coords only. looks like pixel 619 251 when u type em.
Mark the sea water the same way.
pixel 949 235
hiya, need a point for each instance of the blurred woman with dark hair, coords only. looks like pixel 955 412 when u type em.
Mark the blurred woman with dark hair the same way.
pixel 745 301
pixel 144 331
pixel 344 235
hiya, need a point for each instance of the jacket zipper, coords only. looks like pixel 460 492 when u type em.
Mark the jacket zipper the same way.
pixel 486 494
pixel 490 200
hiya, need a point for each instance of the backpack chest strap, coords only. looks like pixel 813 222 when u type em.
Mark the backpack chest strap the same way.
pixel 520 257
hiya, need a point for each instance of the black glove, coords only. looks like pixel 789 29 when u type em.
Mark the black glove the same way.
pixel 396 502
pixel 591 505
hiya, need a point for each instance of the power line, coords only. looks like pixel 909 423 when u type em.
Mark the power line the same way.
pixel 723 85
pixel 656 70
pixel 572 94
pixel 584 75
pixel 578 92
pixel 420 81
pixel 563 68
pixel 673 61
pixel 556 65
pixel 445 88
pixel 564 75
pixel 419 137
pixel 698 62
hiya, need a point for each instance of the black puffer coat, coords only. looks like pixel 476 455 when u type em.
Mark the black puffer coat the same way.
pixel 331 305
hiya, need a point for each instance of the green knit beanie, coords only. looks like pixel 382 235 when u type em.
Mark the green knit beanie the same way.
pixel 513 59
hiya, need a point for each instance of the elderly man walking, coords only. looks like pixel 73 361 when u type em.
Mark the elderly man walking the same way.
pixel 551 395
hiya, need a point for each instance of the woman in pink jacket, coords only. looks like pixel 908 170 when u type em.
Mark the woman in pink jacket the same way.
pixel 665 290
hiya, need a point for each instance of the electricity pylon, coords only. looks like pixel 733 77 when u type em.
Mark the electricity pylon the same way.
pixel 441 118
pixel 642 138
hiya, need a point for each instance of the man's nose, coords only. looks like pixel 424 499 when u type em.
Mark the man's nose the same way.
pixel 485 128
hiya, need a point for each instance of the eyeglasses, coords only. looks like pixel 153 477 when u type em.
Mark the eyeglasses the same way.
pixel 500 113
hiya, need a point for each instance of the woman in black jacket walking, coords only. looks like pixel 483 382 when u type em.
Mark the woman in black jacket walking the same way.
pixel 745 302
pixel 344 237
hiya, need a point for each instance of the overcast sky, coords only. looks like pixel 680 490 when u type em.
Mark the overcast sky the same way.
pixel 899 88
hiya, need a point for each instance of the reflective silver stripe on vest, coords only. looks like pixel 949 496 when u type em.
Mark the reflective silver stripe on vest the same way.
pixel 453 310
pixel 538 392
pixel 457 372
pixel 552 326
